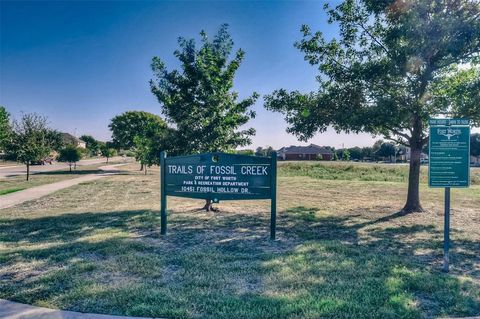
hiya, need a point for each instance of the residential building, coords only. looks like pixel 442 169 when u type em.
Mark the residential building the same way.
pixel 69 139
pixel 305 153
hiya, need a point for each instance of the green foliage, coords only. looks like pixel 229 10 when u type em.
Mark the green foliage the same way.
pixel 386 150
pixel 335 156
pixel 345 155
pixel 459 92
pixel 150 142
pixel 126 126
pixel 246 152
pixel 31 139
pixel 260 151
pixel 107 151
pixel 93 145
pixel 356 153
pixel 475 144
pixel 70 154
pixel 198 98
pixel 392 68
pixel 4 127
pixel 147 149
pixel 387 74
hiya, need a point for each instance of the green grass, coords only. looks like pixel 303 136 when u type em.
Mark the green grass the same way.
pixel 358 171
pixel 10 190
pixel 342 252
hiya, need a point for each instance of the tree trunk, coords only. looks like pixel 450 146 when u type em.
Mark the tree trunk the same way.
pixel 413 196
pixel 208 205
pixel 107 159
pixel 28 171
pixel 141 166
pixel 70 165
pixel 145 169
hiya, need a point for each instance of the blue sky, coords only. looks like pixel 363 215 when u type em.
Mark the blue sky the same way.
pixel 81 63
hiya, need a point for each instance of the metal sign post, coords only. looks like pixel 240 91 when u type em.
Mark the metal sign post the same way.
pixel 219 176
pixel 449 164
pixel 446 231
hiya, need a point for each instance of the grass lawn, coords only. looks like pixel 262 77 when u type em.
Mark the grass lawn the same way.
pixel 342 251
pixel 17 183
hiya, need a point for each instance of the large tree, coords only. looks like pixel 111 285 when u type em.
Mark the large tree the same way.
pixel 31 140
pixel 151 142
pixel 199 98
pixel 134 124
pixel 381 74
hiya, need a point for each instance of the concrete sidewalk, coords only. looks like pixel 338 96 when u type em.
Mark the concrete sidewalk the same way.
pixel 28 194
pixel 15 310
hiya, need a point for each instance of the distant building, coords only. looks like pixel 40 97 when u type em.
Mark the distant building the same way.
pixel 69 139
pixel 305 153
pixel 423 155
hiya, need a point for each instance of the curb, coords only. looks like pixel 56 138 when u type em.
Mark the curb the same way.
pixel 15 310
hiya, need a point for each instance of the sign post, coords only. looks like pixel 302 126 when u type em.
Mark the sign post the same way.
pixel 218 176
pixel 449 164
pixel 163 195
pixel 273 190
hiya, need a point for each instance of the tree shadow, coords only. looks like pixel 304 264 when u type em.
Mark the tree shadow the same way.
pixel 222 265
pixel 73 172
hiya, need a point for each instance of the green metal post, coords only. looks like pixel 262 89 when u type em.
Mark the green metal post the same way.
pixel 273 187
pixel 163 195
pixel 446 232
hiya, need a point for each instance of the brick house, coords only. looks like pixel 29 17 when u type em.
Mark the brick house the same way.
pixel 305 153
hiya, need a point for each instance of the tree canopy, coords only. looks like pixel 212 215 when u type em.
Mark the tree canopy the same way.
pixel 148 145
pixel 31 139
pixel 393 66
pixel 198 99
pixel 129 124
pixel 4 127
pixel 93 146
pixel 70 154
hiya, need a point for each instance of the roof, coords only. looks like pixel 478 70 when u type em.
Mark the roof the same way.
pixel 69 138
pixel 310 149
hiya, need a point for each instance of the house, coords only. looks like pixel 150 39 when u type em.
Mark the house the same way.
pixel 423 156
pixel 305 153
pixel 69 139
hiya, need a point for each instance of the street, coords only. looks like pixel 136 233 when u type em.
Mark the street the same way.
pixel 22 169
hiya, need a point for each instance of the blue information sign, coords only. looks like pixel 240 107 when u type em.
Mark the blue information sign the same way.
pixel 449 147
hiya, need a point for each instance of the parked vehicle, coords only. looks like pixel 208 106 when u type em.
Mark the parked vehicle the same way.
pixel 46 160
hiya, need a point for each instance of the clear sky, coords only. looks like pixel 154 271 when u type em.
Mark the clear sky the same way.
pixel 81 63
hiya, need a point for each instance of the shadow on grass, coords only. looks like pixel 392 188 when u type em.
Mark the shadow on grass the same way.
pixel 73 172
pixel 222 265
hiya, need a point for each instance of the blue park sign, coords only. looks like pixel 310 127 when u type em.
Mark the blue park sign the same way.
pixel 449 148
pixel 219 176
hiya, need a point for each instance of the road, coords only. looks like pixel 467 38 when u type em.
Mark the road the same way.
pixel 22 169
pixel 10 200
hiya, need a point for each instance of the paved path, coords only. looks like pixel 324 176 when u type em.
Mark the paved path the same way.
pixel 32 193
pixel 22 169
pixel 15 310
